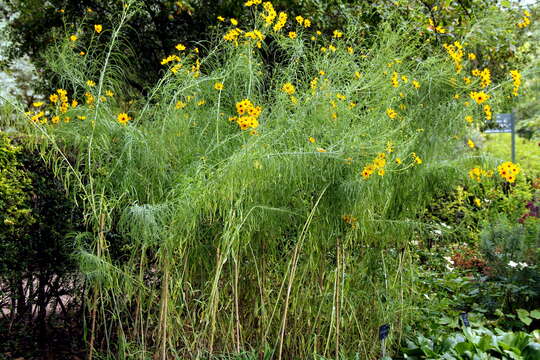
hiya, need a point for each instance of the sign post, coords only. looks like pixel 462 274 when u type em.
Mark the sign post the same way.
pixel 504 123
pixel 513 138
pixel 383 334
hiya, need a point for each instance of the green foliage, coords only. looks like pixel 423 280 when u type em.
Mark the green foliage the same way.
pixel 527 151
pixel 477 343
pixel 528 107
pixel 498 326
pixel 461 214
pixel 206 239
pixel 233 231
pixel 36 267
pixel 503 242
pixel 15 212
pixel 35 214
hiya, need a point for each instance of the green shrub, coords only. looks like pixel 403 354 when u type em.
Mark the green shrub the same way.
pixel 37 271
pixel 505 242
pixel 290 231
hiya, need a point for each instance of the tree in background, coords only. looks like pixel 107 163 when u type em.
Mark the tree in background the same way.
pixel 159 25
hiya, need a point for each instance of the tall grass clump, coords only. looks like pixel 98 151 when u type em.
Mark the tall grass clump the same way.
pixel 287 232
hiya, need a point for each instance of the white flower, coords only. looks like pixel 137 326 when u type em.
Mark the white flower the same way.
pixel 437 232
pixel 446 226
pixel 449 259
pixel 512 264
pixel 523 265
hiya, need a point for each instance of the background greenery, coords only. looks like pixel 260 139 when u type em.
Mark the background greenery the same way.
pixel 200 240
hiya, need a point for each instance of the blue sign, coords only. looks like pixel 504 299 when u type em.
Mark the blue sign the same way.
pixel 465 318
pixel 383 332
pixel 503 123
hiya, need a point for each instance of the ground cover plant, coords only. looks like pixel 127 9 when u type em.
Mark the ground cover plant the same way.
pixel 262 207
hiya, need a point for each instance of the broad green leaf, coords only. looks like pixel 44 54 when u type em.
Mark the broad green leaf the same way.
pixel 523 315
pixel 535 314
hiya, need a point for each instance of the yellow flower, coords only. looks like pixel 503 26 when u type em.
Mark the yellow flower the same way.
pixel 321 150
pixel 180 47
pixel 36 117
pixel 292 35
pixel 307 23
pixel 109 93
pixel 311 139
pixel 98 28
pixel 469 119
pixel 221 18
pixel 440 29
pixel 252 2
pixel 38 104
pixel 391 113
pixel 487 111
pixel 89 98
pixel 471 144
pixel 367 171
pixel 508 171
pixel 479 97
pixel 55 119
pixel 476 173
pixel 64 107
pixel 337 34
pixel 516 77
pixel 398 161
pixel 471 56
pixel 416 84
pixel 73 38
pixel 288 88
pixel 218 86
pixel 416 158
pixel 53 98
pixel 299 19
pixel 82 53
pixel 90 83
pixel 123 118
pixel 234 21
pixel 282 19
pixel 477 202
pixel 485 78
